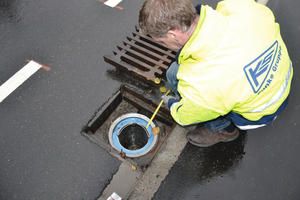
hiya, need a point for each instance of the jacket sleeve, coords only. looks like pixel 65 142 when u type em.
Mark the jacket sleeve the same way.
pixel 186 112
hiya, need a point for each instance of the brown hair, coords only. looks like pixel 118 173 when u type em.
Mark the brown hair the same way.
pixel 157 17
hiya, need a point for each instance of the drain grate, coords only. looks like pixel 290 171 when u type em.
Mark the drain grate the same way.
pixel 142 57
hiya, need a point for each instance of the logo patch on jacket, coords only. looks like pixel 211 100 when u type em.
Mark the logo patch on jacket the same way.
pixel 258 70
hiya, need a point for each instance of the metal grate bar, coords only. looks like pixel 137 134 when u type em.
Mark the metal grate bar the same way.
pixel 148 53
pixel 151 47
pixel 142 57
pixel 154 43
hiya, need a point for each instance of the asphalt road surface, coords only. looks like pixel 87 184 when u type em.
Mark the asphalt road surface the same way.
pixel 261 164
pixel 44 155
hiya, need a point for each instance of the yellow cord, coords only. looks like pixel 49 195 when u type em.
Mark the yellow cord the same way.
pixel 157 109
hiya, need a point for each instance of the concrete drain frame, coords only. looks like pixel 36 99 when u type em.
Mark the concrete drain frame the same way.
pixel 129 101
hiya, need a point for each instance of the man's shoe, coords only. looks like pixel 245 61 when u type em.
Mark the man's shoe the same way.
pixel 203 137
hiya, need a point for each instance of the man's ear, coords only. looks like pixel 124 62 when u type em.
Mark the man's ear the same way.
pixel 173 34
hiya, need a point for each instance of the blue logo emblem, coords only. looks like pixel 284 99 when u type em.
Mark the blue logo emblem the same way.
pixel 258 70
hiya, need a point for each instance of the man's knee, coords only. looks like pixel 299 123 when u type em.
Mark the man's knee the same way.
pixel 171 73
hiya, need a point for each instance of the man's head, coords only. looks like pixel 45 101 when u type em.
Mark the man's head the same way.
pixel 158 17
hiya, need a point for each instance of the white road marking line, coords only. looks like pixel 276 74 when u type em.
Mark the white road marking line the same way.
pixel 17 79
pixel 112 3
pixel 264 2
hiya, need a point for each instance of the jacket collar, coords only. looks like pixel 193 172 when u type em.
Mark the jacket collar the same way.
pixel 198 9
pixel 206 37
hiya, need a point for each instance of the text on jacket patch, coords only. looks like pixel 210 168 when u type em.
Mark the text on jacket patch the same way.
pixel 261 71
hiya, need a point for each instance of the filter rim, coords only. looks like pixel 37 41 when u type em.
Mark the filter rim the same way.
pixel 129 118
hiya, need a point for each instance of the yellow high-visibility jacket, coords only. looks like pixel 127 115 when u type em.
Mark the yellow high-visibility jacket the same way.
pixel 235 61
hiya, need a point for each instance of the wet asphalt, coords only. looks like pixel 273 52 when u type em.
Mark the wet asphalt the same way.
pixel 262 163
pixel 44 155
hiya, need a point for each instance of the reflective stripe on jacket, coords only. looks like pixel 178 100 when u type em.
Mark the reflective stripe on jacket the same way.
pixel 235 61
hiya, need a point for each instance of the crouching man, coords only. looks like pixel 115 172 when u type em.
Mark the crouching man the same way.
pixel 232 69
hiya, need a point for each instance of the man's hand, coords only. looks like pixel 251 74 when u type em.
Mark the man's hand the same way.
pixel 166 99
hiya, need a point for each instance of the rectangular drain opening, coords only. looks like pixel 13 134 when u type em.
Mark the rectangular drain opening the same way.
pixel 128 100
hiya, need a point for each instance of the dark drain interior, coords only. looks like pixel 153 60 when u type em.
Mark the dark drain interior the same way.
pixel 133 137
